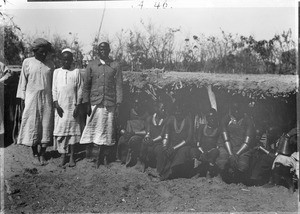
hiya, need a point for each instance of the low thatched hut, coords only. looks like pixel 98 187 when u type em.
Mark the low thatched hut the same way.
pixel 264 95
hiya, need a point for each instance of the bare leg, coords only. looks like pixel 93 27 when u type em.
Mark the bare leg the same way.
pixel 100 157
pixel 140 165
pixel 89 152
pixel 36 160
pixel 72 162
pixel 63 160
pixel 42 153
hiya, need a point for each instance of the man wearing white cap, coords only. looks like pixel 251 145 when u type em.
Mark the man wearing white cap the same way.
pixel 35 91
pixel 102 91
pixel 67 97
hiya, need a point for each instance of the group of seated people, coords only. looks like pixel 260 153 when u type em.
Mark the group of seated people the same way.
pixel 177 145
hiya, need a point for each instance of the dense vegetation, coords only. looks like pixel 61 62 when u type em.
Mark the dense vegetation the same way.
pixel 151 47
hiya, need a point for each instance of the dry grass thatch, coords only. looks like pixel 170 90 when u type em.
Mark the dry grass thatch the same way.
pixel 254 84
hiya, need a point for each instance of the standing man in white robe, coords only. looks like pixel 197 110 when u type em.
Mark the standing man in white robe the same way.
pixel 67 98
pixel 35 90
pixel 102 91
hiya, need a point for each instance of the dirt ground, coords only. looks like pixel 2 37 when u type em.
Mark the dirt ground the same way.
pixel 85 189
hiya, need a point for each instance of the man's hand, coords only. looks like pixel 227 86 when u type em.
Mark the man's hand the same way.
pixel 59 110
pixel 148 140
pixel 76 111
pixel 233 160
pixel 272 155
pixel 203 157
pixel 88 109
pixel 128 134
pixel 170 151
pixel 164 148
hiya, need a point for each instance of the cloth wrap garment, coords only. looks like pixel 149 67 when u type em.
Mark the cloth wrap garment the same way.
pixel 35 87
pixel 149 152
pixel 174 166
pixel 131 141
pixel 208 142
pixel 237 131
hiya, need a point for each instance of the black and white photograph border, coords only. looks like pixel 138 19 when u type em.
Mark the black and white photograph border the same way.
pixel 225 71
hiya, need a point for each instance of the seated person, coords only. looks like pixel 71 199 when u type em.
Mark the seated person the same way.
pixel 285 168
pixel 174 154
pixel 264 154
pixel 153 139
pixel 206 151
pixel 237 131
pixel 131 139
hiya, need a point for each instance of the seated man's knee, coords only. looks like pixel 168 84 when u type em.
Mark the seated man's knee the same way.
pixel 243 166
pixel 213 155
pixel 122 140
pixel 135 140
pixel 222 158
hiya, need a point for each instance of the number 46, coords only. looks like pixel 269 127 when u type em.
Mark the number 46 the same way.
pixel 164 5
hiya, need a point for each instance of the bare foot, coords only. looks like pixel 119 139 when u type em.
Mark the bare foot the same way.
pixel 36 161
pixel 72 162
pixel 43 161
pixel 140 166
pixel 63 160
pixel 196 163
pixel 90 160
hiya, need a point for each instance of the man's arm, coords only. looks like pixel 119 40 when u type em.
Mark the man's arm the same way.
pixel 119 86
pixel 199 133
pixel 5 73
pixel 79 86
pixel 22 81
pixel 189 135
pixel 54 86
pixel 248 136
pixel 225 135
pixel 165 133
pixel 86 89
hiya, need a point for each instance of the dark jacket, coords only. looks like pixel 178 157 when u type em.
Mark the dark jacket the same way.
pixel 103 83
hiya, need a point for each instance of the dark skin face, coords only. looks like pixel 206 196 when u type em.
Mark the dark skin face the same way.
pixel 67 59
pixel 179 114
pixel 135 105
pixel 160 109
pixel 212 120
pixel 41 54
pixel 236 111
pixel 104 50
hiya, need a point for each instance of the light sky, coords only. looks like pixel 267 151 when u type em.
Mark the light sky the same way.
pixel 262 19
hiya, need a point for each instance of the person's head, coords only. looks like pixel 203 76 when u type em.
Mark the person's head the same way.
pixel 67 58
pixel 178 110
pixel 41 48
pixel 104 50
pixel 135 104
pixel 211 117
pixel 160 108
pixel 236 110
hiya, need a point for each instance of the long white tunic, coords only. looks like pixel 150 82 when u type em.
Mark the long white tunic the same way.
pixel 35 87
pixel 67 91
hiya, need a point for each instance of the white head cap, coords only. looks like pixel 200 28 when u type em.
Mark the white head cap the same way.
pixel 66 50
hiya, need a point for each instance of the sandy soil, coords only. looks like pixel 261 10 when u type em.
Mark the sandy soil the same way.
pixel 85 189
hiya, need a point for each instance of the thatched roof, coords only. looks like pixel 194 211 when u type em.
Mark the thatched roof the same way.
pixel 252 85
